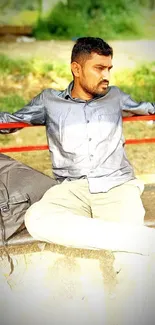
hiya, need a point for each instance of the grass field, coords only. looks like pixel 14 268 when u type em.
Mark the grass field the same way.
pixel 20 80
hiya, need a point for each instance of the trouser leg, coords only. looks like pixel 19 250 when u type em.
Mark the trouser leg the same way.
pixel 123 205
pixel 63 216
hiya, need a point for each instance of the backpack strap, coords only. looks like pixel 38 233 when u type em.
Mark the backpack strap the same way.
pixel 4 198
pixel 4 207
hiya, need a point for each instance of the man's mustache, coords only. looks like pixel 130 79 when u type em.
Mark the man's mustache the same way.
pixel 104 81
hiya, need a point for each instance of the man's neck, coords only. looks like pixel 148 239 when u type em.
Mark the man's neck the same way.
pixel 79 93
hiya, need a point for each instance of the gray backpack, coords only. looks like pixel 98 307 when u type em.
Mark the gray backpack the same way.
pixel 20 186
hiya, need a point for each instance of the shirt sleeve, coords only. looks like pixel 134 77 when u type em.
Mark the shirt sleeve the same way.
pixel 33 113
pixel 131 107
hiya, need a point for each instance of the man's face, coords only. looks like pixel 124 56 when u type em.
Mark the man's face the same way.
pixel 94 74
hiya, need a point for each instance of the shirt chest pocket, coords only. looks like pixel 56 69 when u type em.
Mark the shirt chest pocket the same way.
pixel 108 124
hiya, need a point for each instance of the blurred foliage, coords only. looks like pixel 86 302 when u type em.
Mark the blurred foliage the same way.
pixel 62 23
pixel 87 6
pixel 35 66
pixel 140 82
pixel 148 18
pixel 21 80
pixel 75 18
pixel 6 5
pixel 12 102
pixel 70 19
pixel 24 17
pixel 18 12
pixel 11 66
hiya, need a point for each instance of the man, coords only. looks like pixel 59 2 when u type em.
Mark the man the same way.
pixel 97 202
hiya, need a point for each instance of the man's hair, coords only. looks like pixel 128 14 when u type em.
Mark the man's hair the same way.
pixel 85 46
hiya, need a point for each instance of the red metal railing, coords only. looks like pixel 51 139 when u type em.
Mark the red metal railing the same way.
pixel 45 147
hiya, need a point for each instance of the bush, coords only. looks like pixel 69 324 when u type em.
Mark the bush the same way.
pixel 74 19
pixel 10 66
pixel 140 82
pixel 65 23
pixel 11 102
pixel 21 67
pixel 41 31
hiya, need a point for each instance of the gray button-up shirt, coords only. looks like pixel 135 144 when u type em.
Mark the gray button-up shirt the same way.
pixel 85 137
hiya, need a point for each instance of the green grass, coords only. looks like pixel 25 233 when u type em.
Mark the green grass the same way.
pixel 140 82
pixel 12 102
pixel 10 66
pixel 36 66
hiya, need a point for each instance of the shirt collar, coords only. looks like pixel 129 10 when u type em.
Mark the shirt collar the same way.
pixel 67 91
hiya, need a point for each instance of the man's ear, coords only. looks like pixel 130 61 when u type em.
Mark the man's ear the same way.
pixel 75 68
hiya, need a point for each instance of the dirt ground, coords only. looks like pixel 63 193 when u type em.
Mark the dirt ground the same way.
pixel 126 53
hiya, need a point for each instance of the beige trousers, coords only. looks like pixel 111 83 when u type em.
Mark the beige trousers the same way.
pixel 68 214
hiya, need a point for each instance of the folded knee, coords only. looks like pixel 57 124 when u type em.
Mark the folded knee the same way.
pixel 31 218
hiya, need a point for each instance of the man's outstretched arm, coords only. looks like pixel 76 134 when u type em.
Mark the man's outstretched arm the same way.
pixel 32 113
pixel 132 107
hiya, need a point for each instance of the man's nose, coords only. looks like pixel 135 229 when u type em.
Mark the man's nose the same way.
pixel 106 74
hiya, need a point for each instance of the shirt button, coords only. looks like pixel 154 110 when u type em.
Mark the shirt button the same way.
pixel 91 156
pixel 90 139
pixel 88 121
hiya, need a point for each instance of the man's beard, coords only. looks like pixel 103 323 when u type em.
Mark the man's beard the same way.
pixel 94 91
